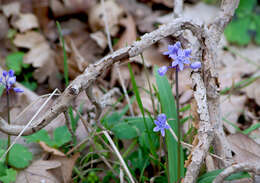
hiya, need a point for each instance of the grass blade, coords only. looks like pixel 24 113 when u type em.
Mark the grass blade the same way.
pixel 169 108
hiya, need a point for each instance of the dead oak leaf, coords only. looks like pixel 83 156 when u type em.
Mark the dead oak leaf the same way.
pixel 231 108
pixel 38 172
pixel 113 15
pixel 13 8
pixel 26 22
pixel 64 172
pixel 28 40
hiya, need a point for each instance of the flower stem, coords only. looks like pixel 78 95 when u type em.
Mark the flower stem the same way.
pixel 8 120
pixel 179 126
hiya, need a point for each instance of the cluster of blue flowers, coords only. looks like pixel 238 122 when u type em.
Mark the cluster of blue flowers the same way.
pixel 180 57
pixel 8 79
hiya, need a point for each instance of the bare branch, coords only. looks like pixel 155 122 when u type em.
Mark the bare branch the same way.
pixel 247 167
pixel 205 131
pixel 93 71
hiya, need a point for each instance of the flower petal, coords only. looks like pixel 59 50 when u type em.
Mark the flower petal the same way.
pixel 11 80
pixel 195 65
pixel 174 64
pixel 156 129
pixel 157 123
pixel 162 118
pixel 18 90
pixel 162 70
pixel 5 73
pixel 178 44
pixel 11 73
pixel 167 126
pixel 186 61
pixel 163 132
pixel 181 66
pixel 187 52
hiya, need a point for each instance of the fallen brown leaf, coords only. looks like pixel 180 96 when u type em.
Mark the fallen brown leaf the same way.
pixel 129 35
pixel 26 22
pixel 64 172
pixel 245 148
pixel 29 39
pixel 231 107
pixel 38 171
pixel 113 15
pixel 13 8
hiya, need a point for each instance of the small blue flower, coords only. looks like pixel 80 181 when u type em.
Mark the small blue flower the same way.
pixel 173 49
pixel 162 70
pixel 180 57
pixel 195 65
pixel 8 80
pixel 161 124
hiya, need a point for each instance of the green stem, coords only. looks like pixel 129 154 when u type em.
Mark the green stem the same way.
pixel 179 127
pixel 9 122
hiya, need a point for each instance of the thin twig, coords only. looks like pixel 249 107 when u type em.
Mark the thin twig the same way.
pixel 119 156
pixel 253 167
pixel 28 124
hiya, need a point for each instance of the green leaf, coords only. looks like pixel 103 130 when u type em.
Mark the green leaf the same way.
pixel 257 22
pixel 3 168
pixel 144 140
pixel 61 136
pixel 237 31
pixel 14 61
pixel 245 7
pixel 9 177
pixel 125 131
pixel 251 128
pixel 2 88
pixel 30 85
pixel 19 156
pixel 169 108
pixel 210 176
pixel 41 135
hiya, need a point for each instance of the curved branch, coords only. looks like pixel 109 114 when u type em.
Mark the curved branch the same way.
pixel 247 167
pixel 93 71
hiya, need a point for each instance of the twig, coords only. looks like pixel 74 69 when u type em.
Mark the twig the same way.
pixel 177 8
pixel 205 131
pixel 116 66
pixel 28 124
pixel 253 167
pixel 119 156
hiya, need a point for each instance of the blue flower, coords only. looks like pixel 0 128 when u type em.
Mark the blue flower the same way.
pixel 180 57
pixel 162 70
pixel 8 80
pixel 161 124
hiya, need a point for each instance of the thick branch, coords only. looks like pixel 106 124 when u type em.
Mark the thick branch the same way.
pixel 247 167
pixel 212 38
pixel 205 131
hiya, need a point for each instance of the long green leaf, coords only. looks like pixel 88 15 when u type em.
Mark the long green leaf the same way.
pixel 169 108
pixel 140 104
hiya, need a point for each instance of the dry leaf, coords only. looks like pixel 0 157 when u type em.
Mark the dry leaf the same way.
pixel 70 6
pixel 253 90
pixel 4 27
pixel 29 39
pixel 38 172
pixel 13 8
pixel 129 35
pixel 38 55
pixel 64 172
pixel 51 150
pixel 100 39
pixel 231 107
pixel 245 148
pixel 26 22
pixel 113 15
